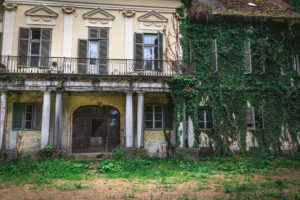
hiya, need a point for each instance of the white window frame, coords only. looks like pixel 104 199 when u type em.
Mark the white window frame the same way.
pixel 153 117
pixel 205 118
pixel 253 119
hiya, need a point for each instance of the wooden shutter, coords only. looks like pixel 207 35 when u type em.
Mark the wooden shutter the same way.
pixel 248 62
pixel 45 47
pixel 93 33
pixel 18 116
pixel 23 46
pixel 139 50
pixel 251 118
pixel 160 52
pixel 103 52
pixel 82 56
pixel 214 56
pixel 38 109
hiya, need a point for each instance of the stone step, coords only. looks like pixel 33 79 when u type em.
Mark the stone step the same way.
pixel 93 157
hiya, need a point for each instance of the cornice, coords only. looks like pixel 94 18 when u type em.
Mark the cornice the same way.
pixel 10 6
pixel 119 7
pixel 68 9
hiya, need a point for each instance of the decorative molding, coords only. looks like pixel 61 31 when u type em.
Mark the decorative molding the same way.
pixel 153 17
pixel 128 13
pixel 98 18
pixel 152 21
pixel 10 6
pixel 41 15
pixel 68 9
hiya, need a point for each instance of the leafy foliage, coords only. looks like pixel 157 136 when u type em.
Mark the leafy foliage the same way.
pixel 229 91
pixel 295 3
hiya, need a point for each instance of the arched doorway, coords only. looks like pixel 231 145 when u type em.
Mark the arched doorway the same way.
pixel 95 129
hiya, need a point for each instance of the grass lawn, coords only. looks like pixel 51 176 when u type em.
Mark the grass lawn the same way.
pixel 259 176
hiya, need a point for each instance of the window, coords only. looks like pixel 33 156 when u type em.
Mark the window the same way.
pixel 34 46
pixel 154 117
pixel 205 117
pixel 295 64
pixel 148 47
pixel 214 56
pixel 1 36
pixel 96 49
pixel 250 118
pixel 248 61
pixel 26 116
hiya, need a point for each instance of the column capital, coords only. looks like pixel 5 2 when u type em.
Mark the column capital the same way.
pixel 68 9
pixel 128 13
pixel 129 92
pixel 10 6
pixel 140 93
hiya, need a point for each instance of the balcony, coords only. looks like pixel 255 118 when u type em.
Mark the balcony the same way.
pixel 86 66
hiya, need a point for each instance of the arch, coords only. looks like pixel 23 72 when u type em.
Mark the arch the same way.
pixel 95 129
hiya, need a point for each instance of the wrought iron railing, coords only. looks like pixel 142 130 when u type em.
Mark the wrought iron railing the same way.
pixel 61 65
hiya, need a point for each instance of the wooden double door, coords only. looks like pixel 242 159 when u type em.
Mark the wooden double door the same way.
pixel 95 132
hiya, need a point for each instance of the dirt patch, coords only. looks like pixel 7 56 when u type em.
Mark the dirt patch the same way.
pixel 103 188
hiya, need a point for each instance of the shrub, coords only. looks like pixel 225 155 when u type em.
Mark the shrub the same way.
pixel 119 153
pixel 109 166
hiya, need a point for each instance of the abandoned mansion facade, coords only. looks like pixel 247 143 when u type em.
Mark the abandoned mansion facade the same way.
pixel 85 77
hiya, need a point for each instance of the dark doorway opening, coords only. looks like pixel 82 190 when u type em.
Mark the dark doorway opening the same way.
pixel 95 129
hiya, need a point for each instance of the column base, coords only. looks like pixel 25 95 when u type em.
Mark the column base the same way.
pixel 12 154
pixel 194 153
pixel 140 152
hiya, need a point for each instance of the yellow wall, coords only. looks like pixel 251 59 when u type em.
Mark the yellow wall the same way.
pixel 80 30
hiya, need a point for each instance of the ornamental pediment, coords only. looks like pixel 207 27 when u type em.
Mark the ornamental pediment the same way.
pixel 99 18
pixel 41 15
pixel 152 21
pixel 41 11
pixel 153 16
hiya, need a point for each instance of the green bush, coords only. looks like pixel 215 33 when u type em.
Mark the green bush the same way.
pixel 295 4
pixel 108 166
pixel 119 153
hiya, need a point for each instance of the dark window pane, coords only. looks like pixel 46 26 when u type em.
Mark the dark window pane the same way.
pixel 149 124
pixel 149 116
pixel 158 109
pixel 36 34
pixel 158 124
pixel 201 125
pixel 150 39
pixel 28 125
pixel 34 61
pixel 148 109
pixel 35 48
pixel 158 116
pixel 28 116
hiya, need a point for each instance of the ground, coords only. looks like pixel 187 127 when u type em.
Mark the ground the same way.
pixel 235 177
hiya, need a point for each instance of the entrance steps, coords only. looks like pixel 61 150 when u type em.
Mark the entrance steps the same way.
pixel 93 157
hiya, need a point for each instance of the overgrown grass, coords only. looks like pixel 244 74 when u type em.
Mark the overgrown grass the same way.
pixel 30 171
pixel 156 168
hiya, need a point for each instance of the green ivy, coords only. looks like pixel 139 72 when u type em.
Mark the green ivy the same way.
pixel 229 91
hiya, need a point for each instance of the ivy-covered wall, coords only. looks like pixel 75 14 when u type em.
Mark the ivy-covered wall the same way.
pixel 229 91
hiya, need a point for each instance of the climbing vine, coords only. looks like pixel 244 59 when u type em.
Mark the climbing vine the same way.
pixel 272 88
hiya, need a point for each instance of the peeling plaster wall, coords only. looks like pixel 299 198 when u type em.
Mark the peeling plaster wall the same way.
pixel 24 141
pixel 155 143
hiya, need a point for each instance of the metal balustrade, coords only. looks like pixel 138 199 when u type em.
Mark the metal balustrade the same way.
pixel 61 65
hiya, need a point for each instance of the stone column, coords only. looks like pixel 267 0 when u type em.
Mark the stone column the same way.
pixel 129 120
pixel 58 121
pixel 8 28
pixel 180 134
pixel 140 120
pixel 45 132
pixel 191 137
pixel 3 112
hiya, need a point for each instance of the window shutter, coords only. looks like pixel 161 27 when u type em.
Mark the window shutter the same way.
pixel 45 49
pixel 139 50
pixel 248 61
pixel 297 64
pixel 160 51
pixel 18 116
pixel 37 115
pixel 103 56
pixel 23 46
pixel 168 115
pixel 82 56
pixel 214 56
pixel 93 33
pixel 251 119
